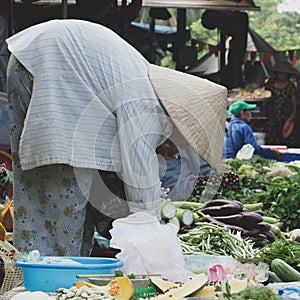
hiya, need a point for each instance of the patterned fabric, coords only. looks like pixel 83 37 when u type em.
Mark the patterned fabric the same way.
pixel 278 110
pixel 4 182
pixel 229 180
pixel 4 53
pixel 80 101
pixel 49 205
pixel 51 211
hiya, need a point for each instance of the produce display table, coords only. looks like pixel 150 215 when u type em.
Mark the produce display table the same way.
pixel 271 197
pixel 290 154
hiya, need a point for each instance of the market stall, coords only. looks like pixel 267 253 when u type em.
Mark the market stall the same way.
pixel 238 244
pixel 248 241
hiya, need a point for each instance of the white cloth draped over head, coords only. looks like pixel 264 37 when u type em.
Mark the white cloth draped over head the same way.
pixel 80 84
pixel 94 106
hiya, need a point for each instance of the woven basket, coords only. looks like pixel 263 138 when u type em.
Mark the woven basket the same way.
pixel 13 275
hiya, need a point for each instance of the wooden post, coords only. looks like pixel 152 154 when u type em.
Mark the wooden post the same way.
pixel 65 9
pixel 222 54
pixel 10 16
pixel 180 41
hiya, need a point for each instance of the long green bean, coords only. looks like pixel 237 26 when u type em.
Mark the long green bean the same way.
pixel 213 239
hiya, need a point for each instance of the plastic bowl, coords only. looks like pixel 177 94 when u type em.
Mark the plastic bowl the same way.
pixel 50 277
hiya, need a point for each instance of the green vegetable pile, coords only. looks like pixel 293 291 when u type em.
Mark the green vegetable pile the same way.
pixel 280 194
pixel 287 250
pixel 215 240
pixel 261 293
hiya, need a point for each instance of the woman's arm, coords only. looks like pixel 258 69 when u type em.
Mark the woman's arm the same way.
pixel 143 125
pixel 187 174
pixel 250 139
pixel 294 101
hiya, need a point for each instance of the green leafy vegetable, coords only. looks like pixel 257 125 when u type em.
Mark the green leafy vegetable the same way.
pixel 119 273
pixel 280 194
pixel 261 293
pixel 287 250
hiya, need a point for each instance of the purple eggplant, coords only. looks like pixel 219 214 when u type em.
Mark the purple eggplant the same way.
pixel 261 237
pixel 220 202
pixel 263 227
pixel 270 236
pixel 252 239
pixel 250 219
pixel 230 227
pixel 231 219
pixel 259 212
pixel 215 222
pixel 259 244
pixel 254 232
pixel 221 210
pixel 236 228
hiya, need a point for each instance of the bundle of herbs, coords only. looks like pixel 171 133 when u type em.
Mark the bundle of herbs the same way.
pixel 285 249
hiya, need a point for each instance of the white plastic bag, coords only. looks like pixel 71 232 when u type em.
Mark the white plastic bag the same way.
pixel 246 152
pixel 147 246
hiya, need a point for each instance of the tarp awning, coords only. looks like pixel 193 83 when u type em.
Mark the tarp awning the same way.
pixel 209 62
pixel 205 4
pixel 256 43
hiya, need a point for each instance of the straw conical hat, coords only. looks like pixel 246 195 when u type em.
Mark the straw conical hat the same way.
pixel 285 67
pixel 196 106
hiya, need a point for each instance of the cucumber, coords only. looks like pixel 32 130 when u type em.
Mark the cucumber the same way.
pixel 270 220
pixel 253 206
pixel 275 229
pixel 273 277
pixel 284 271
pixel 188 205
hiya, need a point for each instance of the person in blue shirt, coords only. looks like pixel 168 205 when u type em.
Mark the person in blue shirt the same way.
pixel 239 133
pixel 176 175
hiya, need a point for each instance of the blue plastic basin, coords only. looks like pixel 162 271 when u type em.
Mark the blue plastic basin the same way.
pixel 50 277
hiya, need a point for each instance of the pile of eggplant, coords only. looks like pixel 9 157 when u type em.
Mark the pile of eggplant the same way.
pixel 235 216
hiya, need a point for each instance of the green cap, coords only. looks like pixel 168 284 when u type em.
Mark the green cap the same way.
pixel 236 107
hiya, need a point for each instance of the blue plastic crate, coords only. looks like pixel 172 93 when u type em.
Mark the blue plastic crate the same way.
pixel 290 157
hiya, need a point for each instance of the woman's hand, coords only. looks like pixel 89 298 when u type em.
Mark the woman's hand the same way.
pixel 288 127
pixel 277 154
pixel 292 116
